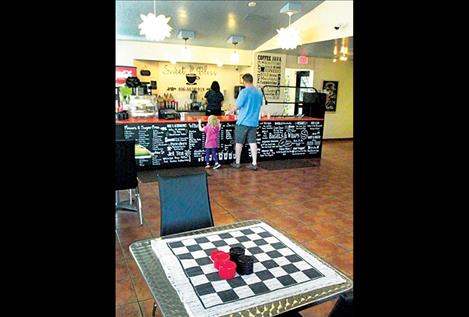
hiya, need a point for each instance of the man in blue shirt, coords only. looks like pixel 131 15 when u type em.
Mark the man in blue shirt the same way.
pixel 249 103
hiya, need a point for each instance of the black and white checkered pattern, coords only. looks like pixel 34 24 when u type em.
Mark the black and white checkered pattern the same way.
pixel 275 265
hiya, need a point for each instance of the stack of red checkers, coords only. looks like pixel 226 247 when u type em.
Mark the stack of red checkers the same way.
pixel 221 261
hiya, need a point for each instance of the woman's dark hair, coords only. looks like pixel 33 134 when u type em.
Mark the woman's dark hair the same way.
pixel 215 86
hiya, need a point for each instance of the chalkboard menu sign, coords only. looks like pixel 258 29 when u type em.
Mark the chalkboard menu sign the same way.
pixel 181 144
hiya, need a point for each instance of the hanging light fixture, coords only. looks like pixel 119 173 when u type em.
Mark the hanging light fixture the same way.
pixel 235 39
pixel 186 54
pixel 288 38
pixel 155 28
pixel 235 55
pixel 344 50
pixel 335 51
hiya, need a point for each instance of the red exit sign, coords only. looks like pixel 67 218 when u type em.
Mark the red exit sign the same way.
pixel 302 60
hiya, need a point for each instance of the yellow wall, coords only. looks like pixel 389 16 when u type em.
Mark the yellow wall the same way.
pixel 166 76
pixel 337 124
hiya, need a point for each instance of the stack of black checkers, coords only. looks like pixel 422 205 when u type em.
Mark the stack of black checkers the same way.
pixel 244 263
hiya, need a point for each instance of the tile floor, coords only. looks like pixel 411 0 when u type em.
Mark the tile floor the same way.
pixel 314 205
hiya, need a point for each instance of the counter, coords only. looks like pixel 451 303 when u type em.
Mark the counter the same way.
pixel 178 143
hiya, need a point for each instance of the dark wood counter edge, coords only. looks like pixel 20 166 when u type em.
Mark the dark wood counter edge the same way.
pixel 204 119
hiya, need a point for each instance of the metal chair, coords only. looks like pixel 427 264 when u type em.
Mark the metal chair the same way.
pixel 184 204
pixel 126 177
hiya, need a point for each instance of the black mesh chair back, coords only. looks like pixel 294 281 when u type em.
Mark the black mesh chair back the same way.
pixel 184 203
pixel 125 166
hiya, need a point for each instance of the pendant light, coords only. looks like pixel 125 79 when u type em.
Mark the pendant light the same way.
pixel 235 55
pixel 186 54
pixel 155 28
pixel 235 39
pixel 288 38
pixel 344 50
pixel 335 51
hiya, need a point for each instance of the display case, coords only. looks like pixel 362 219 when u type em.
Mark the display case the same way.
pixel 142 107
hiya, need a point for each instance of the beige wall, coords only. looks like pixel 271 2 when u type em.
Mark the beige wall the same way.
pixel 166 75
pixel 337 124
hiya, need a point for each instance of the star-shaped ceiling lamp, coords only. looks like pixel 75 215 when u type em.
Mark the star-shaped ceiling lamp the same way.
pixel 155 28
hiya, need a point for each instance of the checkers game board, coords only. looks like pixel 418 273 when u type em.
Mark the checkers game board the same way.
pixel 281 268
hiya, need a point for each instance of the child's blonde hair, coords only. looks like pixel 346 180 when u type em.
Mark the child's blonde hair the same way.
pixel 212 121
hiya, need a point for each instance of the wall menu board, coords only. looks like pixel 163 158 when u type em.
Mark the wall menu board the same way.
pixel 181 144
pixel 270 71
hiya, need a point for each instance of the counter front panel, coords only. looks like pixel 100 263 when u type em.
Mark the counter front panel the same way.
pixel 177 144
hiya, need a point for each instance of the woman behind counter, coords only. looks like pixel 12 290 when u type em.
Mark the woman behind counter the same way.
pixel 214 100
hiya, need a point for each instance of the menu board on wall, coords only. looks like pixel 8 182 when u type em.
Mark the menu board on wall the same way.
pixel 181 144
pixel 270 70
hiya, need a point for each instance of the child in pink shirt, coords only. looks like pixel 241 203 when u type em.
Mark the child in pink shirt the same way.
pixel 211 140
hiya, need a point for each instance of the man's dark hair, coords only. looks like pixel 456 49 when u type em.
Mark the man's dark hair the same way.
pixel 247 78
pixel 215 86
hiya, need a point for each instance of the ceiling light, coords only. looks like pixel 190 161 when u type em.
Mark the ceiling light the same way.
pixel 288 38
pixel 235 39
pixel 343 58
pixel 234 57
pixel 155 28
pixel 186 54
pixel 173 60
pixel 252 4
pixel 334 60
pixel 219 64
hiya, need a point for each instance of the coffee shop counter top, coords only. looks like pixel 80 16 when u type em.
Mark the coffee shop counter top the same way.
pixel 204 119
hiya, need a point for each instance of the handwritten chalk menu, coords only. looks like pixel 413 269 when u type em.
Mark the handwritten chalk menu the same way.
pixel 270 70
pixel 182 144
pixel 290 139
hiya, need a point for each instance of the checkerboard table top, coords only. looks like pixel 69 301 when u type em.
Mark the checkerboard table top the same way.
pixel 283 270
